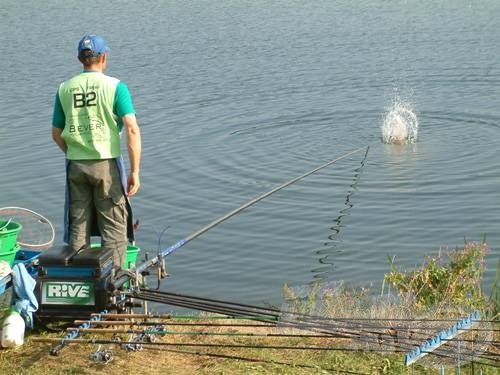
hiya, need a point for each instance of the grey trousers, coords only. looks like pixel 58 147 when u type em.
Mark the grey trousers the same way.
pixel 96 193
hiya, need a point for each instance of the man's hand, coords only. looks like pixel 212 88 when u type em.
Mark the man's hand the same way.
pixel 133 184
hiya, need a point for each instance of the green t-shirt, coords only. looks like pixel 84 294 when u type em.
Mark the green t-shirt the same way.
pixel 89 108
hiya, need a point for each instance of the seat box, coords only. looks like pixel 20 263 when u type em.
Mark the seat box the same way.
pixel 73 285
pixel 71 298
pixel 88 263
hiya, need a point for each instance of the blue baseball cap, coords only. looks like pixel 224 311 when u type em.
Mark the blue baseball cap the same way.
pixel 94 43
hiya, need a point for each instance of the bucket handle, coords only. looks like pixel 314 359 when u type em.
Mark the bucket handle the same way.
pixel 8 222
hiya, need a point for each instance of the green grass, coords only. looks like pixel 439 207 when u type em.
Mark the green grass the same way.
pixel 451 278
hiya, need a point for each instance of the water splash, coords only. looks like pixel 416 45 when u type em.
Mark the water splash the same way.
pixel 400 123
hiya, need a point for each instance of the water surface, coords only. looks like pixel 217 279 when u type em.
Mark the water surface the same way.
pixel 236 97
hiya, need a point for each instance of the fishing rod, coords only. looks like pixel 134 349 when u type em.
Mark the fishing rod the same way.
pixel 257 313
pixel 196 344
pixel 273 315
pixel 362 336
pixel 260 314
pixel 172 323
pixel 243 317
pixel 174 318
pixel 164 332
pixel 220 307
pixel 167 251
pixel 407 331
pixel 358 332
pixel 238 346
pixel 343 333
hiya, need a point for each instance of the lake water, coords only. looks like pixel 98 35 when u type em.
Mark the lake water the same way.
pixel 237 97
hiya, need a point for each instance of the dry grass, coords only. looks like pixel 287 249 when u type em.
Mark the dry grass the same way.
pixel 33 357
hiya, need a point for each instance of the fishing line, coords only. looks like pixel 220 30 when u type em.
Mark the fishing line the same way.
pixel 165 252
pixel 323 259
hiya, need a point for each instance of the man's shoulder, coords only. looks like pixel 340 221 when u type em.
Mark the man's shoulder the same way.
pixel 94 76
pixel 111 79
pixel 69 80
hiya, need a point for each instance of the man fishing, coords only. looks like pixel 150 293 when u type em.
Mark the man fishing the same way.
pixel 90 111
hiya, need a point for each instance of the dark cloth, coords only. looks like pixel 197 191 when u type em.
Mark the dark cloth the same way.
pixel 96 205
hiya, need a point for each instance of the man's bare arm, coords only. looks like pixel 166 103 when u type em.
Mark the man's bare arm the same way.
pixel 56 136
pixel 134 152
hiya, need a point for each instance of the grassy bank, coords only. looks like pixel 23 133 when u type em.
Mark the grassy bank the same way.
pixel 33 357
pixel 449 279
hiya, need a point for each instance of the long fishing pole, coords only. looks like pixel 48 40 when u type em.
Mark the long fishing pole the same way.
pixel 253 312
pixel 163 253
pixel 243 317
pixel 321 325
pixel 170 323
pixel 342 331
pixel 218 345
pixel 162 332
pixel 400 342
pixel 237 346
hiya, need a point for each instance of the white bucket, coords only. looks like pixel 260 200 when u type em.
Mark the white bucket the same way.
pixel 13 330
